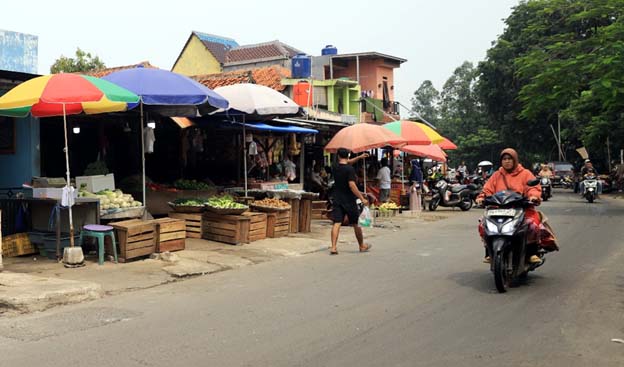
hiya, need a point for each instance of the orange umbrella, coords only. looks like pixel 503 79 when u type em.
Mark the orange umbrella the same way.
pixel 447 145
pixel 362 136
pixel 432 151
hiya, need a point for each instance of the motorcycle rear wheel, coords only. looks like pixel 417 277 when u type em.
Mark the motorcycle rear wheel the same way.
pixel 466 204
pixel 502 278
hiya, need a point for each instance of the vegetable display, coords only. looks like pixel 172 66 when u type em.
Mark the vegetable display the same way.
pixel 110 200
pixel 189 202
pixel 224 202
pixel 184 184
pixel 388 206
pixel 273 203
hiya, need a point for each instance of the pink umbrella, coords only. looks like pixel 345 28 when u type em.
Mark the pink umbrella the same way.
pixel 432 151
pixel 362 136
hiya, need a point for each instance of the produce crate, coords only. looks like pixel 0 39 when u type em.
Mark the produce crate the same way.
pixel 319 208
pixel 135 238
pixel 170 234
pixel 257 225
pixel 278 224
pixel 305 215
pixel 193 223
pixel 17 245
pixel 232 229
pixel 294 214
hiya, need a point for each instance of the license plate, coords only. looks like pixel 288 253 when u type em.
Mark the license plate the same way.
pixel 501 212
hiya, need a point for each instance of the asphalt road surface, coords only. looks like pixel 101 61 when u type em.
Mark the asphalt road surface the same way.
pixel 421 297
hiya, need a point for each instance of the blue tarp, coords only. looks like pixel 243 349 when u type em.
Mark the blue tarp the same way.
pixel 283 129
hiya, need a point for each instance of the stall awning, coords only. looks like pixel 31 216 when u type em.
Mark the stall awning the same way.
pixel 284 129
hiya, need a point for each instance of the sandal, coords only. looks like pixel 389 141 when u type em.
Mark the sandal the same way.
pixel 333 252
pixel 366 249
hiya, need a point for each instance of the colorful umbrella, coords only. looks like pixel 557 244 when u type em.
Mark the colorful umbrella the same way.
pixel 65 94
pixel 447 144
pixel 62 95
pixel 432 151
pixel 258 100
pixel 416 133
pixel 360 137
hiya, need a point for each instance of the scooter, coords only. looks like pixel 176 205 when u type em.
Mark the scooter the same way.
pixel 477 181
pixel 446 195
pixel 590 188
pixel 546 188
pixel 506 237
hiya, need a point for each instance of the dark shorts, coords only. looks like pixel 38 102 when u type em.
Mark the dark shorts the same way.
pixel 340 210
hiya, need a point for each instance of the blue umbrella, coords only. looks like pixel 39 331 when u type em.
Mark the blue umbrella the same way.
pixel 168 94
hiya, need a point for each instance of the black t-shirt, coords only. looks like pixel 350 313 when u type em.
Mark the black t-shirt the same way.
pixel 341 193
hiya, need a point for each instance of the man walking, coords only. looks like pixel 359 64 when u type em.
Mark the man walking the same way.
pixel 344 196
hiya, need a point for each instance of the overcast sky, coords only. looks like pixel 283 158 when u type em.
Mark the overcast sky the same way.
pixel 435 36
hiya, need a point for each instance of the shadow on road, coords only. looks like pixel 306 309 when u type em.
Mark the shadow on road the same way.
pixel 481 280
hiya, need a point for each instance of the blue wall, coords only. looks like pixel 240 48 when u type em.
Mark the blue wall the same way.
pixel 18 168
pixel 18 52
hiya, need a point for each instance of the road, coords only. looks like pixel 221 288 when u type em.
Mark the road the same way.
pixel 421 297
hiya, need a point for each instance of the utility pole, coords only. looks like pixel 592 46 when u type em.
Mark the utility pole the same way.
pixel 559 137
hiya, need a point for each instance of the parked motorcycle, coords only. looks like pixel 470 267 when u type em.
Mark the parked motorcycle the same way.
pixel 506 237
pixel 590 187
pixel 478 182
pixel 447 195
pixel 546 188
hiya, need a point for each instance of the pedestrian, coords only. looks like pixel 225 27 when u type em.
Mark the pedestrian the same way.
pixel 416 183
pixel 344 200
pixel 383 176
pixel 462 172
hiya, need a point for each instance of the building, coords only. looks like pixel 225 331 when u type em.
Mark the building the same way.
pixel 18 52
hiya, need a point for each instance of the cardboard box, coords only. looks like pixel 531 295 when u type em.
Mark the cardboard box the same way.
pixel 46 193
pixel 96 183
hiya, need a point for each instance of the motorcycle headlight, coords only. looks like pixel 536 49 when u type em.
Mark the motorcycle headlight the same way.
pixel 491 227
pixel 509 226
pixel 544 181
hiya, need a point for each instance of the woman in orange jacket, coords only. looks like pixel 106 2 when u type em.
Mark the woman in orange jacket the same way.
pixel 512 176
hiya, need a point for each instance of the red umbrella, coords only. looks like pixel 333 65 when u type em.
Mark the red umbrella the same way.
pixel 361 137
pixel 447 145
pixel 432 151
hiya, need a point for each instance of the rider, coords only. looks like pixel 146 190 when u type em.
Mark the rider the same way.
pixel 512 176
pixel 588 170
pixel 545 171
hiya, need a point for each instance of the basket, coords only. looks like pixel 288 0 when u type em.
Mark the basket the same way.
pixel 226 211
pixel 269 209
pixel 186 208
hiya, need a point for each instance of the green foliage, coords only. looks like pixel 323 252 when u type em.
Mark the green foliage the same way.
pixel 83 62
pixel 425 102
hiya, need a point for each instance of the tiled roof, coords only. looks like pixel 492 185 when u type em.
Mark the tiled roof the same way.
pixel 105 72
pixel 269 76
pixel 207 37
pixel 260 51
pixel 218 50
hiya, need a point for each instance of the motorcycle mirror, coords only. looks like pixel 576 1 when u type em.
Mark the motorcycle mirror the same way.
pixel 533 182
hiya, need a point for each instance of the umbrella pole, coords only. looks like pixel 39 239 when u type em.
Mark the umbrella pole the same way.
pixel 364 164
pixel 245 155
pixel 142 158
pixel 71 222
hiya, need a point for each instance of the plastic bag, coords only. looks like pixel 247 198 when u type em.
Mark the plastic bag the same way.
pixel 365 218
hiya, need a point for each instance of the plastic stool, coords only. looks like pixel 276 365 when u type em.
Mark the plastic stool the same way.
pixel 98 232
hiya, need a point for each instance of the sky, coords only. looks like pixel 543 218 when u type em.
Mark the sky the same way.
pixel 435 36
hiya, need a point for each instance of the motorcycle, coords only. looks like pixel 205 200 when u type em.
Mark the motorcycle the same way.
pixel 546 188
pixel 506 237
pixel 446 195
pixel 477 181
pixel 590 188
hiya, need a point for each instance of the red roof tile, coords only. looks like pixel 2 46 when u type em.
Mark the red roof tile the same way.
pixel 269 76
pixel 218 50
pixel 105 72
pixel 260 51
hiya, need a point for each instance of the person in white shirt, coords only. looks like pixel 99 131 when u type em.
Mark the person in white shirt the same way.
pixel 383 176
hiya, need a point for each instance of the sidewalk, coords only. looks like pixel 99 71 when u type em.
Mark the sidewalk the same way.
pixel 31 283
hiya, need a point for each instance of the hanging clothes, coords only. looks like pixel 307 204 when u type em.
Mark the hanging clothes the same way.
pixel 253 148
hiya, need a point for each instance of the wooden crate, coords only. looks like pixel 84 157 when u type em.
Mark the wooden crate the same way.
pixel 294 214
pixel 305 215
pixel 170 234
pixel 319 208
pixel 17 245
pixel 135 238
pixel 233 229
pixel 278 224
pixel 193 223
pixel 257 225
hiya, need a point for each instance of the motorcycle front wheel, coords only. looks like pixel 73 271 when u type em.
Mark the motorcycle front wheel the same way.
pixel 502 278
pixel 590 198
pixel 433 204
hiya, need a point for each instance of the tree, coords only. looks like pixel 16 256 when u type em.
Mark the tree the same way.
pixel 425 102
pixel 83 62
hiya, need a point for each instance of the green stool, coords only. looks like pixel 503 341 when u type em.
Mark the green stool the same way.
pixel 98 232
